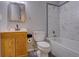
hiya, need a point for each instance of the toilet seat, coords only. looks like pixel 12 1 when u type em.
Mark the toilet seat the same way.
pixel 43 44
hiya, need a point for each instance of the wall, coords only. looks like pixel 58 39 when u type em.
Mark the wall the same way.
pixel 53 20
pixel 36 17
pixel 3 18
pixel 69 20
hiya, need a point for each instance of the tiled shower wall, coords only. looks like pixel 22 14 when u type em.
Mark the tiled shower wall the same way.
pixel 69 20
pixel 53 21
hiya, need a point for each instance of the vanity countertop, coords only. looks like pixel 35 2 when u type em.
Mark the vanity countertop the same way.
pixel 12 31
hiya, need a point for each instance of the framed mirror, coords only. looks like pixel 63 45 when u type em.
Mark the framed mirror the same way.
pixel 16 12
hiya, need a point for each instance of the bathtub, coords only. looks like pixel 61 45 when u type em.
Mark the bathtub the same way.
pixel 64 47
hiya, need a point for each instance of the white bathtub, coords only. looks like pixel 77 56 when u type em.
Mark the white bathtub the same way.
pixel 64 47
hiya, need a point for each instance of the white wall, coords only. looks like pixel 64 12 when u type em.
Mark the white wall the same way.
pixel 69 20
pixel 3 18
pixel 36 17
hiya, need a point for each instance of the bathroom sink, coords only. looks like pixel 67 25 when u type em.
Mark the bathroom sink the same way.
pixel 23 29
pixel 13 30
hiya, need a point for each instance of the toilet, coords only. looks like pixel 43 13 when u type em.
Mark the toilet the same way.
pixel 43 46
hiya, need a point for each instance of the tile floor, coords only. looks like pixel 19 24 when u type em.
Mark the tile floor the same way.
pixel 33 54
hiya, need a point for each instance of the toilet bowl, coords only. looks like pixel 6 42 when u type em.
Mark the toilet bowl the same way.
pixel 43 46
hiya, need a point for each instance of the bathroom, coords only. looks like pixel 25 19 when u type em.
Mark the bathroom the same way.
pixel 54 21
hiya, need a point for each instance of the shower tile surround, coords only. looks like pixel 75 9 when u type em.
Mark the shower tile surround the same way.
pixel 69 26
pixel 53 21
pixel 69 20
pixel 68 15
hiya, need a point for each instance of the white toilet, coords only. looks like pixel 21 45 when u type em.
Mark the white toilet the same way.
pixel 43 47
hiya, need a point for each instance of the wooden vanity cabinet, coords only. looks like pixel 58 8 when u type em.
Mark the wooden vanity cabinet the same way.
pixel 14 44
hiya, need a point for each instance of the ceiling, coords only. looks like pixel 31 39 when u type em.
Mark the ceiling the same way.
pixel 56 2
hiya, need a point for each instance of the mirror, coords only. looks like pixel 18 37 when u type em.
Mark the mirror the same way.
pixel 16 12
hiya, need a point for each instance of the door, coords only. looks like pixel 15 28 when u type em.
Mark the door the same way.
pixel 8 47
pixel 21 49
pixel 8 44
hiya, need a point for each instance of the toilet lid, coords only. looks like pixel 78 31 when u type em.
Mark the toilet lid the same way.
pixel 43 44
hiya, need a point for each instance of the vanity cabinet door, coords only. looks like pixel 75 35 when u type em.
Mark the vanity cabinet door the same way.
pixel 21 49
pixel 8 45
pixel 0 44
pixel 14 44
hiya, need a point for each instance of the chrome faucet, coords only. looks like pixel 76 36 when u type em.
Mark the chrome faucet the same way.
pixel 54 35
pixel 17 27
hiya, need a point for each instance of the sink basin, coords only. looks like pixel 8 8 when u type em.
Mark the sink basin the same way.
pixel 21 30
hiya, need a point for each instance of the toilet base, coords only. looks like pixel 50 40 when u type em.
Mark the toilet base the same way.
pixel 41 54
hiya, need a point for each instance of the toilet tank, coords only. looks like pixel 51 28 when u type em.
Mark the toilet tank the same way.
pixel 39 35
